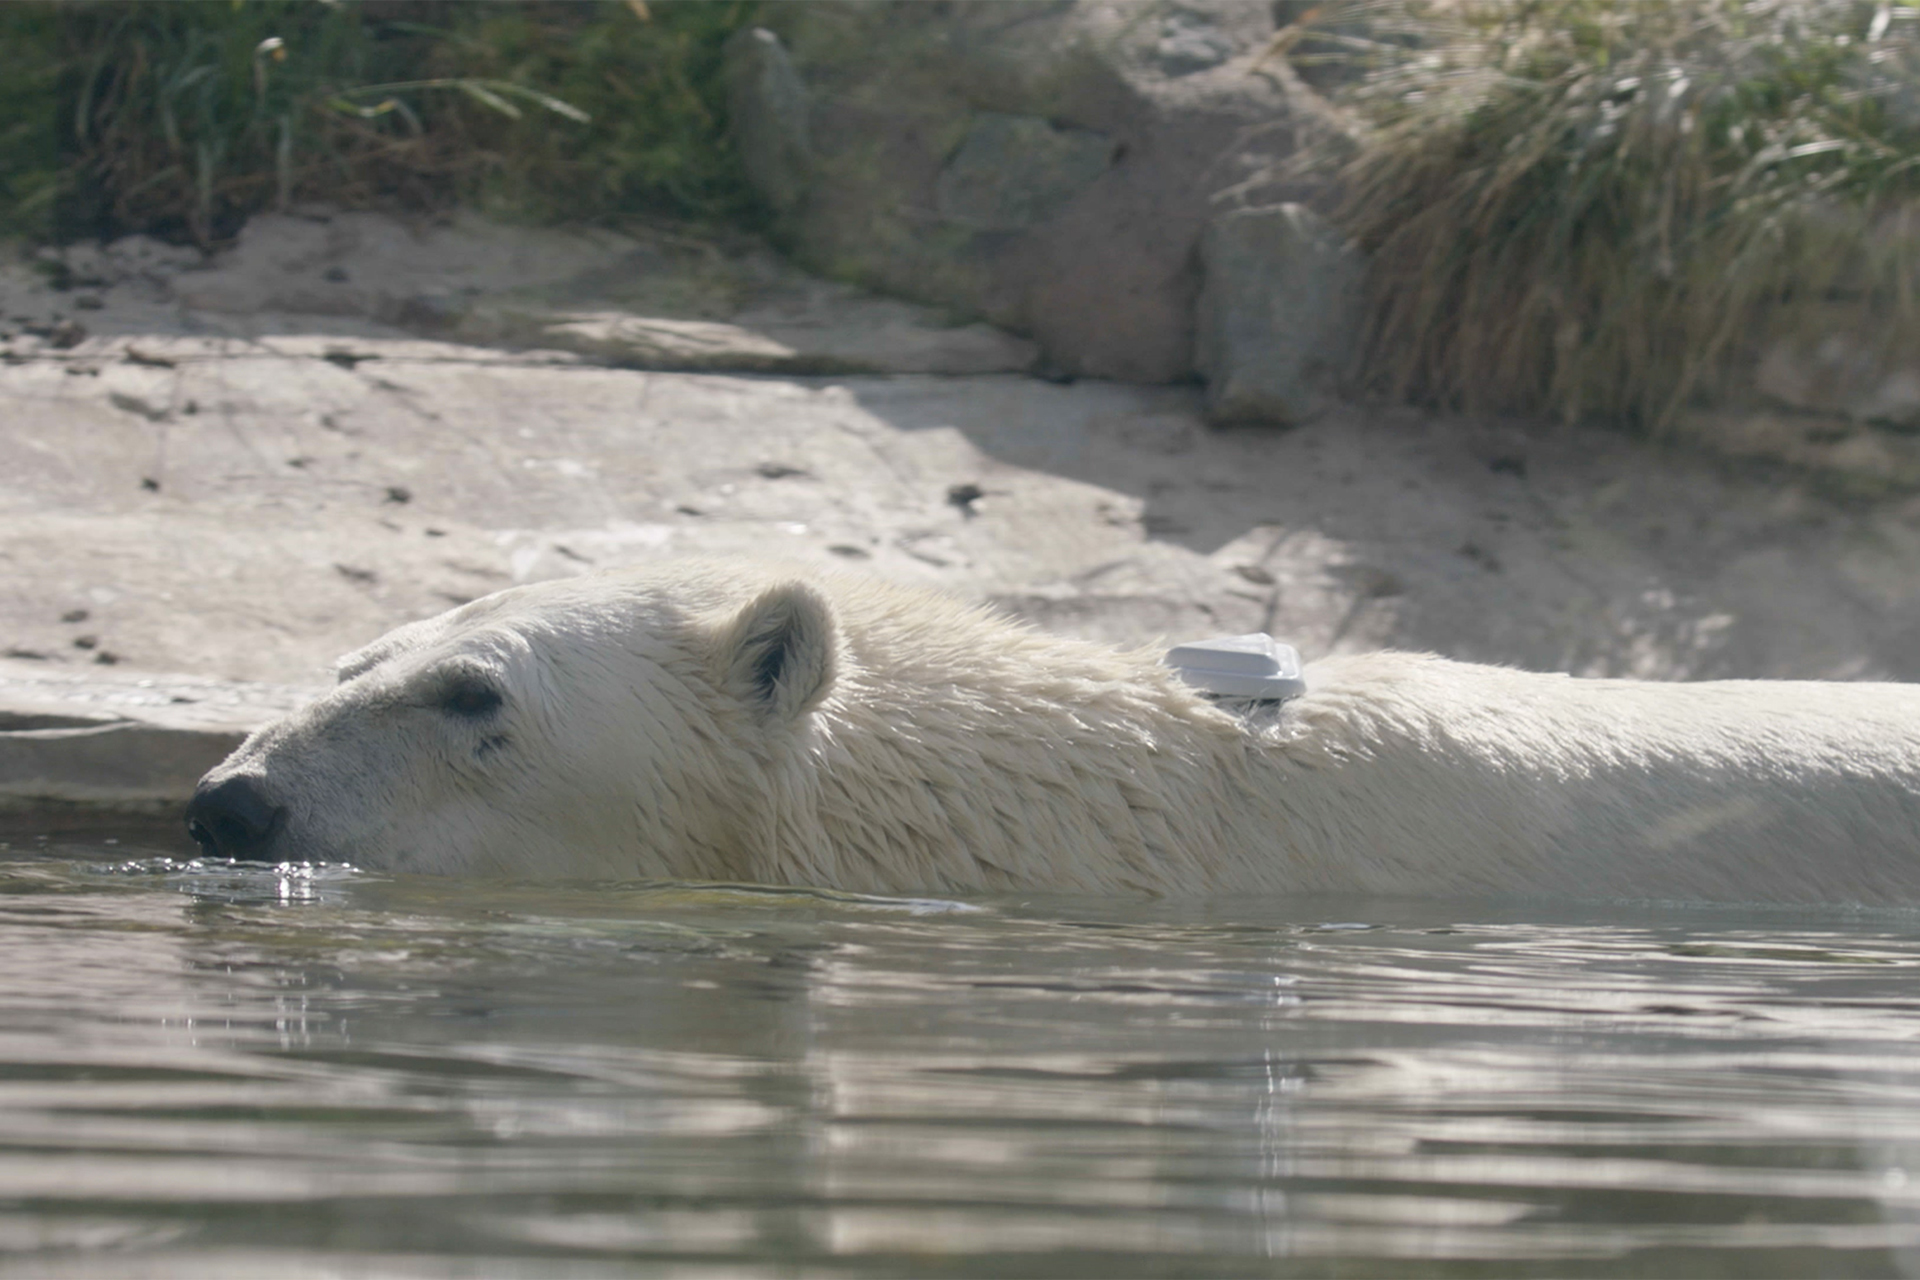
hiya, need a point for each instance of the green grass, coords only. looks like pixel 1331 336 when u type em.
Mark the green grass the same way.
pixel 1597 208
pixel 182 117
pixel 31 164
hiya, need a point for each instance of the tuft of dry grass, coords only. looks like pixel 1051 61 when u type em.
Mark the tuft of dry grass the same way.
pixel 1594 208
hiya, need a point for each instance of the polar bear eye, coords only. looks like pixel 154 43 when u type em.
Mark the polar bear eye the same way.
pixel 469 698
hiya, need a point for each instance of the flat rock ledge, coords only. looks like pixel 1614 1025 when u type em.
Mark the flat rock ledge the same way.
pixel 240 468
pixel 661 302
pixel 121 742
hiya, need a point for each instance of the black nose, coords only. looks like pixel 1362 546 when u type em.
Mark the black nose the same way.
pixel 233 819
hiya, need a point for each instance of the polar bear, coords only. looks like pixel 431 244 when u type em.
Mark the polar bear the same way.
pixel 721 721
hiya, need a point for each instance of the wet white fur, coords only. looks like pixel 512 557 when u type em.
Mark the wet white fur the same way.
pixel 907 742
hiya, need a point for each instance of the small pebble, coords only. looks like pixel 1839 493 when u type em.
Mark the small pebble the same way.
pixel 964 496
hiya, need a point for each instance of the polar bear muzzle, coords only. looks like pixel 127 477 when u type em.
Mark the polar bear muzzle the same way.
pixel 233 818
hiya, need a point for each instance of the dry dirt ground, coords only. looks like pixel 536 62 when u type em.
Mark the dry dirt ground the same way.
pixel 245 493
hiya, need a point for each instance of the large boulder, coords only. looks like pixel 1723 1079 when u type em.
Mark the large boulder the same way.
pixel 1047 165
pixel 1277 314
pixel 1828 384
pixel 1841 359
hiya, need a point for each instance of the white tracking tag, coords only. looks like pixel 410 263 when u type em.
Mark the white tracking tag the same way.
pixel 1257 667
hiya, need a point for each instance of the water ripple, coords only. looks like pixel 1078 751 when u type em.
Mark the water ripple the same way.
pixel 208 1068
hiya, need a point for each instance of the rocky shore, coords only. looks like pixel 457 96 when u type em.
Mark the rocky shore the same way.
pixel 231 471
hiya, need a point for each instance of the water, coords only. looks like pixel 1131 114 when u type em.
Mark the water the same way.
pixel 217 1071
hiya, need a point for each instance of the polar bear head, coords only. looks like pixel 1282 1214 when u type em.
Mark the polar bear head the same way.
pixel 618 725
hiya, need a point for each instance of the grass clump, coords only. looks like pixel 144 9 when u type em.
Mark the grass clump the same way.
pixel 1595 207
pixel 184 118
pixel 653 88
pixel 30 160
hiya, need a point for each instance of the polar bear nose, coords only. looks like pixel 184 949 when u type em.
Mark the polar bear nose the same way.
pixel 233 819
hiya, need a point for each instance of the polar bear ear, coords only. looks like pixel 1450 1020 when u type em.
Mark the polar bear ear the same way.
pixel 778 654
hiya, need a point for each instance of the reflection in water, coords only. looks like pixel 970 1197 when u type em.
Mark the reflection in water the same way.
pixel 211 1070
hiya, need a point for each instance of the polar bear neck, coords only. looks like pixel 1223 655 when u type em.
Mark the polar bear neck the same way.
pixel 1030 760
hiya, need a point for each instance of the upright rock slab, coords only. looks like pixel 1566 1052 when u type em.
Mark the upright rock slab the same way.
pixel 769 109
pixel 1277 314
pixel 121 741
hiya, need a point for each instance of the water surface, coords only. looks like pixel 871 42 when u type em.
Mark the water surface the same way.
pixel 209 1070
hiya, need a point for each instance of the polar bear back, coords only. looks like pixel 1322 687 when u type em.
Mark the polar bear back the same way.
pixel 1484 778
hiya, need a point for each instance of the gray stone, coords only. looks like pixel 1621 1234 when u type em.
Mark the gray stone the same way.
pixel 1829 386
pixel 1277 314
pixel 1828 362
pixel 125 765
pixel 128 743
pixel 1864 456
pixel 1011 172
pixel 1081 236
pixel 1191 42
pixel 879 337
pixel 768 106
